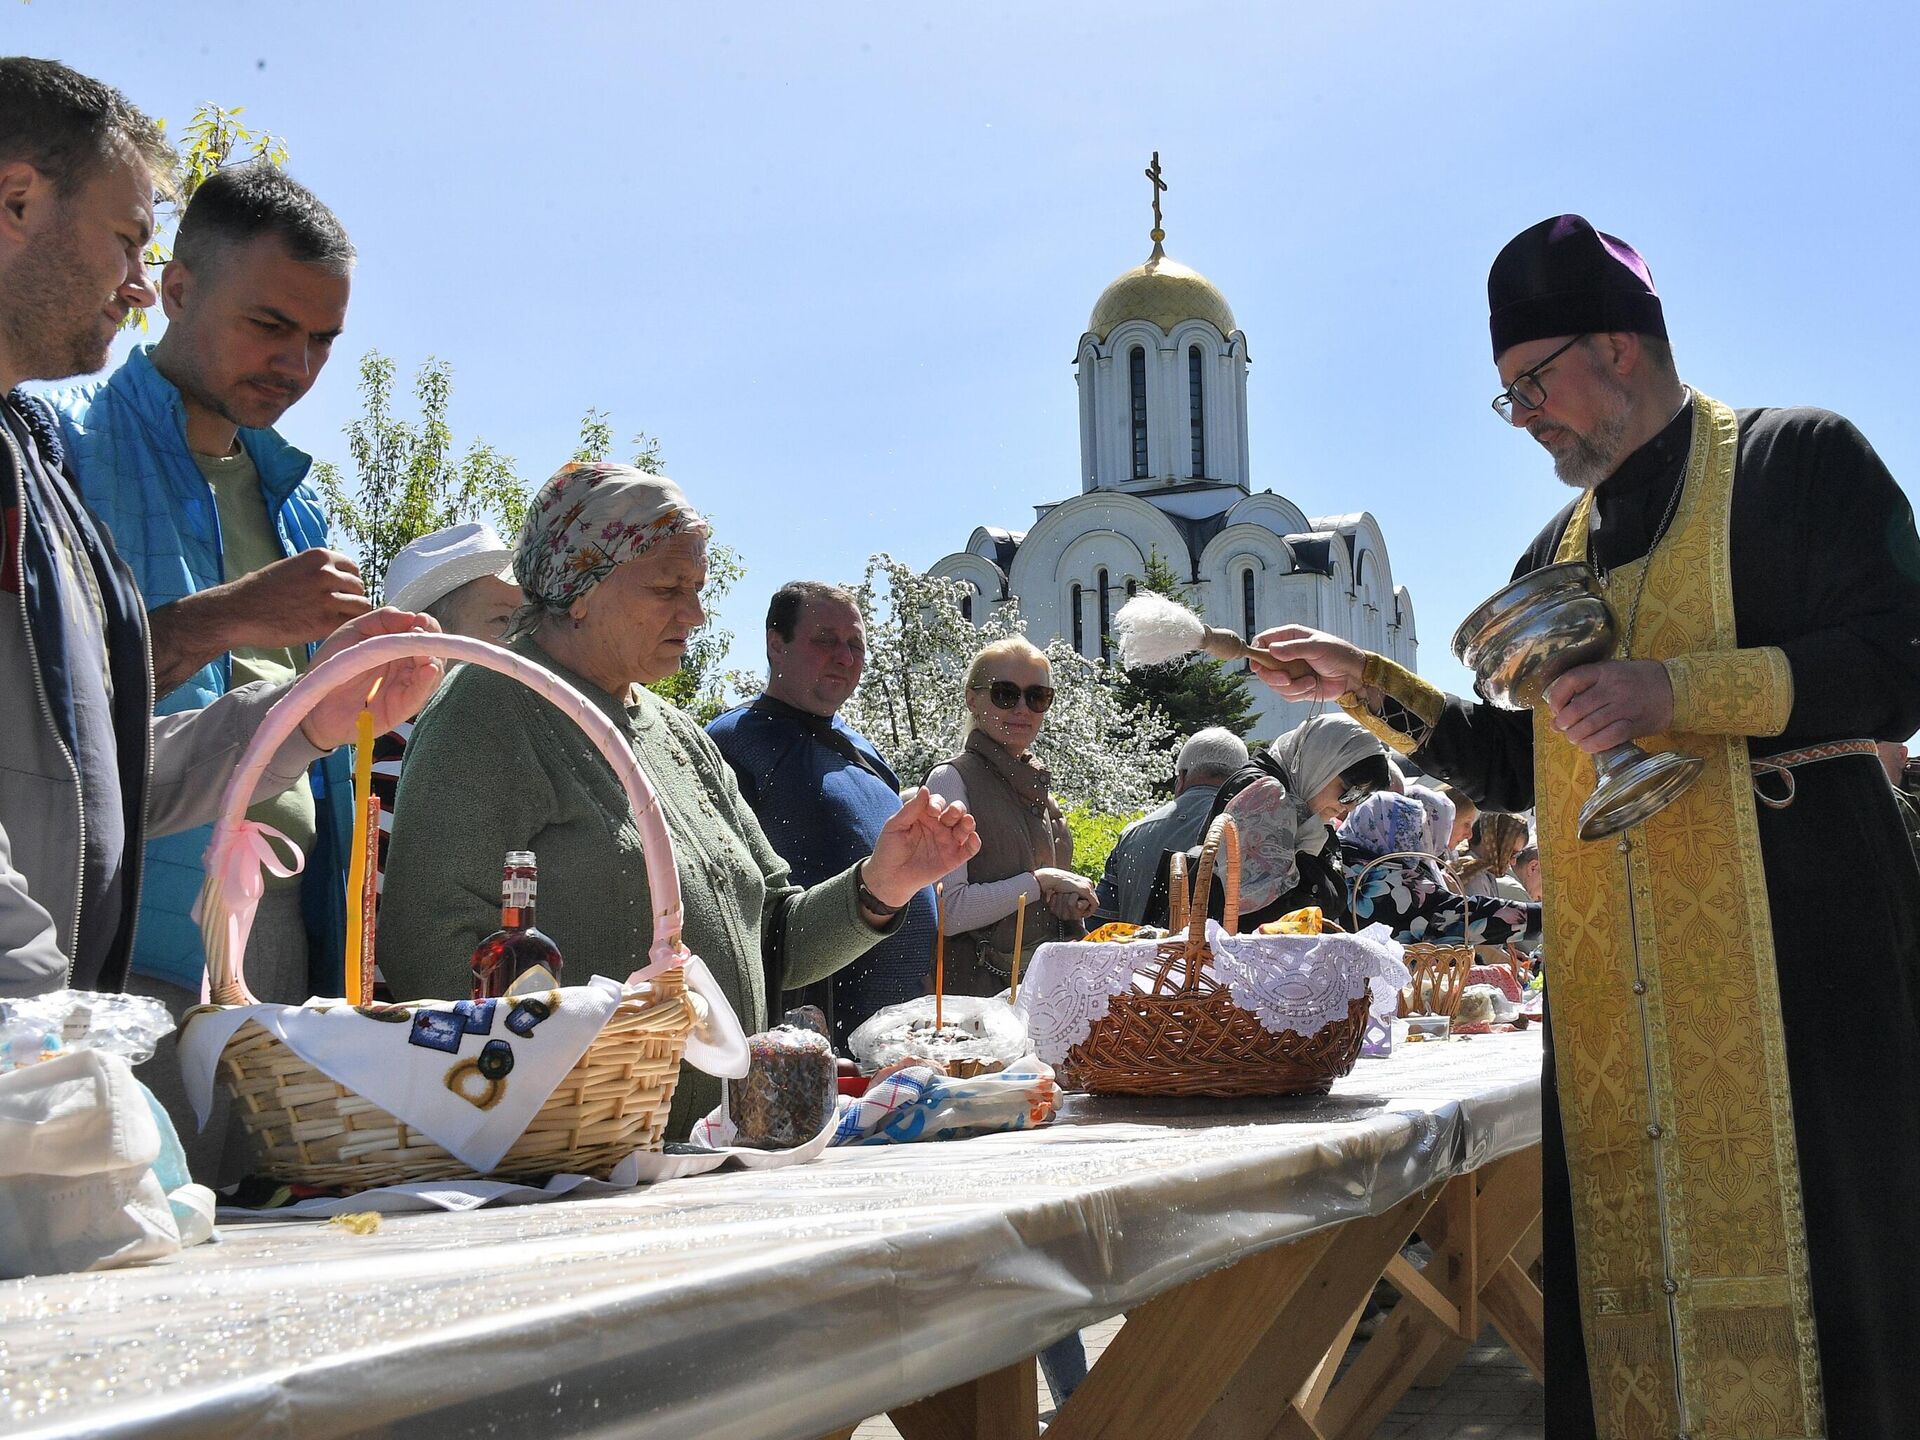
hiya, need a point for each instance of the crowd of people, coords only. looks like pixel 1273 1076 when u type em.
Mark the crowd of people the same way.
pixel 168 571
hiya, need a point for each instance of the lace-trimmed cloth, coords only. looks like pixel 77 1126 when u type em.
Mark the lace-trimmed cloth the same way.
pixel 1296 983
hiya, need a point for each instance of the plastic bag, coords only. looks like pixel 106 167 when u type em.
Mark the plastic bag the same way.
pixel 920 1104
pixel 42 1026
pixel 994 1032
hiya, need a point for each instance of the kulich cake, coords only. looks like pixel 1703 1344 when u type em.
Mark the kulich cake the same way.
pixel 788 1092
pixel 963 1050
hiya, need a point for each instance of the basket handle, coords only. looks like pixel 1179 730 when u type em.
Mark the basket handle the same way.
pixel 225 917
pixel 1222 834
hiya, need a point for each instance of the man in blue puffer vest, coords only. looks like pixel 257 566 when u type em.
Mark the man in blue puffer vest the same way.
pixel 213 512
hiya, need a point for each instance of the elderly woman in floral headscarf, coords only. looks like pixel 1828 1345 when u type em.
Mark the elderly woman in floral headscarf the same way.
pixel 612 561
pixel 1390 846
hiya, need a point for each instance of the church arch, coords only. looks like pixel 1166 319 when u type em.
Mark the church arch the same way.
pixel 1271 512
pixel 981 575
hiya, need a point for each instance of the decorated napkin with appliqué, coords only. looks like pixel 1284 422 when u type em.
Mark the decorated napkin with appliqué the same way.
pixel 468 1074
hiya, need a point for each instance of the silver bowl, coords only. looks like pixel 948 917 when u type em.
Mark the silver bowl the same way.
pixel 1526 636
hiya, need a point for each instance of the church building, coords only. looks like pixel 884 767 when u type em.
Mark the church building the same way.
pixel 1164 468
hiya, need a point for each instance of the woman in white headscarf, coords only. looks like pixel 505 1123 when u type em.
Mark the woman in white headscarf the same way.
pixel 1283 800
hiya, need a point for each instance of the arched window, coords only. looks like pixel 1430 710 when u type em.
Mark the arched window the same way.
pixel 966 608
pixel 1137 384
pixel 1133 587
pixel 1196 413
pixel 1106 613
pixel 1079 625
pixel 1246 602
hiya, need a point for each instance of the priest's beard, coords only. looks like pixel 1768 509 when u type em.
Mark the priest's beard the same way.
pixel 1592 456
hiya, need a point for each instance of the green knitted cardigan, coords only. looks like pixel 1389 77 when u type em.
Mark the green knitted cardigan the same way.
pixel 492 767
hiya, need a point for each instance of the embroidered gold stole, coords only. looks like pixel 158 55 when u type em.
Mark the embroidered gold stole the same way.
pixel 1670 1056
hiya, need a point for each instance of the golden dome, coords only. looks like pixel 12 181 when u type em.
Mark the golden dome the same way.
pixel 1163 291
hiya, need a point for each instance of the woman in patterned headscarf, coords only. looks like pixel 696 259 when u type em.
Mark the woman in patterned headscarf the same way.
pixel 1387 843
pixel 611 562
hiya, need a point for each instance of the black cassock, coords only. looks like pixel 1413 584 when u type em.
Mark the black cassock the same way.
pixel 1826 566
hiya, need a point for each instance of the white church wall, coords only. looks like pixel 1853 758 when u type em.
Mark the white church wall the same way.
pixel 1106 405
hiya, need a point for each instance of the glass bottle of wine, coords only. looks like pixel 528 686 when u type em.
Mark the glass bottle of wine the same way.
pixel 516 947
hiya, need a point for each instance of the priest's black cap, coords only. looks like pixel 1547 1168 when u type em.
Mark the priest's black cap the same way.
pixel 1563 277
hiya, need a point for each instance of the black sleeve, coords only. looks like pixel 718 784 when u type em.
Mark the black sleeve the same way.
pixel 1856 664
pixel 1485 751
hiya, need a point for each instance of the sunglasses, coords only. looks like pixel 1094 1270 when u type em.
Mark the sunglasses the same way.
pixel 1354 794
pixel 1005 695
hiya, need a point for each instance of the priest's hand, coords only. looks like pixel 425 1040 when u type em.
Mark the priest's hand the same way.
pixel 1308 664
pixel 928 840
pixel 1600 706
pixel 405 685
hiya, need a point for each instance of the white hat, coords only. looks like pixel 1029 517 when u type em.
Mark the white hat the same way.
pixel 436 565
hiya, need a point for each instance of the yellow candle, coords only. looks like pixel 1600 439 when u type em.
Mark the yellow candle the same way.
pixel 939 952
pixel 1019 944
pixel 357 856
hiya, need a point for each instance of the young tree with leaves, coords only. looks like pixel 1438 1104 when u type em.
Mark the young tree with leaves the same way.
pixel 408 482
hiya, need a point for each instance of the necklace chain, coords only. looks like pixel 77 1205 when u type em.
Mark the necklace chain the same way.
pixel 1640 581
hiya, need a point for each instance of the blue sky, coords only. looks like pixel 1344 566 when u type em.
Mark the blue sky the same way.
pixel 837 257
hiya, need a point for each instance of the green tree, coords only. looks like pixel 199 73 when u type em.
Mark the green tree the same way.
pixel 408 482
pixel 702 684
pixel 1193 693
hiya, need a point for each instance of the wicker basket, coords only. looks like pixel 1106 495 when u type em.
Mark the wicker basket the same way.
pixel 314 1131
pixel 1186 1036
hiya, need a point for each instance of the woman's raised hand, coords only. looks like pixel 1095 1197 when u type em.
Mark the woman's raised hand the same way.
pixel 928 840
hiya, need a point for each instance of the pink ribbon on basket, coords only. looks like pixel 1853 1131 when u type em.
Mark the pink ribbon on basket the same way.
pixel 239 858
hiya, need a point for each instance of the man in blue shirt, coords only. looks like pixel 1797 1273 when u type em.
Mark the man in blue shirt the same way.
pixel 214 513
pixel 821 789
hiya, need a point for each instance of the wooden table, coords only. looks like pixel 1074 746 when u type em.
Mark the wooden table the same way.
pixel 1240 1239
pixel 1252 1350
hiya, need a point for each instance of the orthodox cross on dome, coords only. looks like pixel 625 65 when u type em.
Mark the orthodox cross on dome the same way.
pixel 1153 173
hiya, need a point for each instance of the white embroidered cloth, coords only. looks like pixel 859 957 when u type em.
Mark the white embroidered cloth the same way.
pixel 1295 983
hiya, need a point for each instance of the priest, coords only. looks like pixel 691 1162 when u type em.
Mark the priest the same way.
pixel 1732 1089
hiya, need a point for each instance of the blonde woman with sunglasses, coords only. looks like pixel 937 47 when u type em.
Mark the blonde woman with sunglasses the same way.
pixel 1025 846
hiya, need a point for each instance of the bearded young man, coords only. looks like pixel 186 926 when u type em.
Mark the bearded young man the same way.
pixel 215 514
pixel 89 772
pixel 1732 1090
